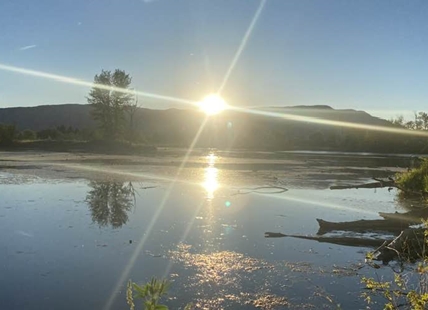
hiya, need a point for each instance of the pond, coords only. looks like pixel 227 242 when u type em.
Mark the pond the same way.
pixel 75 228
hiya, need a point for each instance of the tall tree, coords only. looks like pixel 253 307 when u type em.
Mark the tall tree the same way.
pixel 110 202
pixel 423 116
pixel 109 97
pixel 130 109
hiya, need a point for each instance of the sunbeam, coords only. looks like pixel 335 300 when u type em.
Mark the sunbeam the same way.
pixel 314 120
pixel 74 81
pixel 319 203
pixel 125 274
pixel 297 118
pixel 242 46
pixel 128 174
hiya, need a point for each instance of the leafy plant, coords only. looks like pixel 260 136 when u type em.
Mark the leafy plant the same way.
pixel 399 294
pixel 414 181
pixel 150 293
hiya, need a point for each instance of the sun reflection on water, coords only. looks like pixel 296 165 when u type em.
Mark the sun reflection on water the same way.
pixel 210 183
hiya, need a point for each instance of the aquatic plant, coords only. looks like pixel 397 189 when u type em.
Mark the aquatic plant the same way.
pixel 150 293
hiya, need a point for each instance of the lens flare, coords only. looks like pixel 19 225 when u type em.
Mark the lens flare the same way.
pixel 74 81
pixel 212 104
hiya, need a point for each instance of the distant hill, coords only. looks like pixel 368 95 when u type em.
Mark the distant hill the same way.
pixel 230 129
pixel 78 115
pixel 48 116
pixel 328 113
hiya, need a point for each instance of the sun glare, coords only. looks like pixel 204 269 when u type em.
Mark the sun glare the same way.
pixel 212 104
pixel 210 183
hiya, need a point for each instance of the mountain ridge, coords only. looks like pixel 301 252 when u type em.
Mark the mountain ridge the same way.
pixel 272 128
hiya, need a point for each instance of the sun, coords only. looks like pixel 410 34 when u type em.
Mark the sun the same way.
pixel 212 104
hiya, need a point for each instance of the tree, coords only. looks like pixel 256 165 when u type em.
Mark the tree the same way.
pixel 417 122
pixel 398 121
pixel 130 109
pixel 7 134
pixel 110 202
pixel 424 120
pixel 420 121
pixel 109 97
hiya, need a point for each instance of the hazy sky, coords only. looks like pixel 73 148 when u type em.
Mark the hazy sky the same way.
pixel 369 55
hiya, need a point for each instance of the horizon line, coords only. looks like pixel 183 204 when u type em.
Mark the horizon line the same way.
pixel 306 106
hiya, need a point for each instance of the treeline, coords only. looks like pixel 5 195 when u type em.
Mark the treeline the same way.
pixel 9 134
pixel 420 121
pixel 284 136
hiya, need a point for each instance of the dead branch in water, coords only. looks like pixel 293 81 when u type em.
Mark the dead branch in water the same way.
pixel 411 217
pixel 348 241
pixel 390 184
pixel 378 184
pixel 410 244
pixel 391 225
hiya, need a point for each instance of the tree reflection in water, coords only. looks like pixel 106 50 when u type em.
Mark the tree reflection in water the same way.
pixel 110 202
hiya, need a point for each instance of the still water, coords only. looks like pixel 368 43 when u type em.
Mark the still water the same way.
pixel 74 242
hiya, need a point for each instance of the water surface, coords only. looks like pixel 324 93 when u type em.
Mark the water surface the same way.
pixel 71 241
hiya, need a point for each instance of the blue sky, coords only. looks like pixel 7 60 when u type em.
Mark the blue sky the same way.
pixel 368 55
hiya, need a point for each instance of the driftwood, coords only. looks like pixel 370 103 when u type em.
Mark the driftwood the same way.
pixel 411 217
pixel 390 183
pixel 408 245
pixel 392 225
pixel 392 222
pixel 358 242
pixel 378 184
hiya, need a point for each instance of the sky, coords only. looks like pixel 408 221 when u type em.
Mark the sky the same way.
pixel 367 55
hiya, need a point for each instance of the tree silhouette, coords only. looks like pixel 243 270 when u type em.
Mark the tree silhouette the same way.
pixel 110 202
pixel 130 108
pixel 108 104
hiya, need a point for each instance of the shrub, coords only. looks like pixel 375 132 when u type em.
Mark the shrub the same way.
pixel 414 180
pixel 27 134
pixel 408 290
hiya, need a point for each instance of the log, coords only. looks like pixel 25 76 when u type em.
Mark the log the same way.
pixel 377 184
pixel 347 241
pixel 409 245
pixel 274 235
pixel 362 226
pixel 412 217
